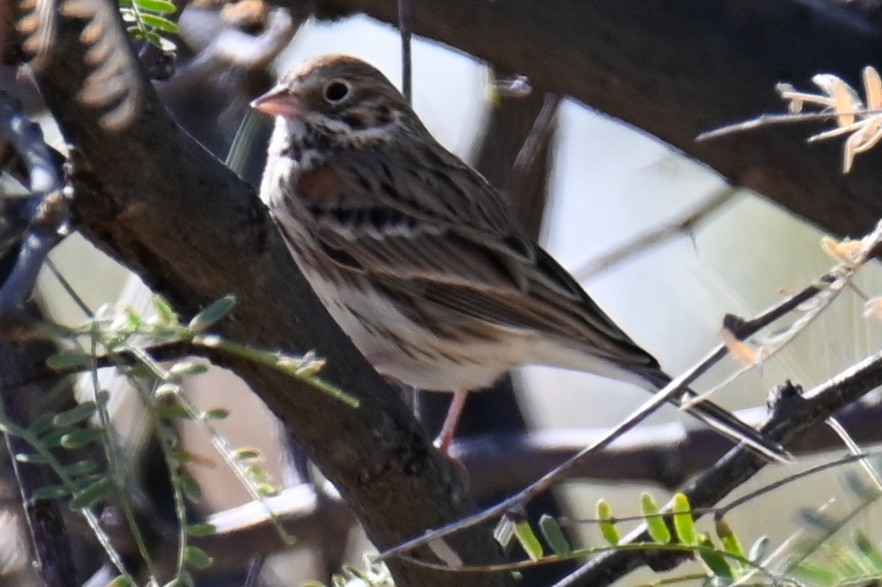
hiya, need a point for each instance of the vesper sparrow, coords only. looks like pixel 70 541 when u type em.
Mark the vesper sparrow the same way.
pixel 418 258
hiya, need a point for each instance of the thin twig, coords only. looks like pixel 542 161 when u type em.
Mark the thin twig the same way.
pixel 656 235
pixel 836 426
pixel 542 128
pixel 404 26
pixel 764 120
pixel 47 206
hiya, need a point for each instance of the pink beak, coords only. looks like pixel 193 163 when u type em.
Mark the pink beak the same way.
pixel 280 101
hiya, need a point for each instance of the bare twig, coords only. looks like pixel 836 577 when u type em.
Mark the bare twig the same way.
pixel 404 27
pixel 47 206
pixel 538 138
pixel 658 234
pixel 762 121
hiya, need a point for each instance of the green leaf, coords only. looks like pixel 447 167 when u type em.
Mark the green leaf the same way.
pixel 870 552
pixel 52 492
pixel 554 536
pixel 729 540
pixel 503 533
pixel 136 33
pixel 157 22
pixel 81 468
pixel 201 529
pixel 180 457
pixel 85 481
pixel 216 414
pixel 160 6
pixel 715 561
pixel 190 488
pixel 171 412
pixel 120 581
pixel 683 522
pixel 862 490
pixel 74 415
pixel 184 579
pixel 655 524
pixel 357 573
pixel 53 439
pixel 163 309
pixel 215 311
pixel 32 458
pixel 94 492
pixel 267 490
pixel 257 474
pixel 246 454
pixel 820 521
pixel 607 523
pixel 80 437
pixel 167 388
pixel 138 370
pixel 188 368
pixel 528 540
pixel 41 424
pixel 69 359
pixel 759 549
pixel 134 322
pixel 818 575
pixel 196 557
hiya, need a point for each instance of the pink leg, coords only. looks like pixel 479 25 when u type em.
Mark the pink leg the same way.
pixel 445 438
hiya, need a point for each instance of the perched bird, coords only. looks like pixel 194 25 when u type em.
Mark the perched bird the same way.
pixel 419 259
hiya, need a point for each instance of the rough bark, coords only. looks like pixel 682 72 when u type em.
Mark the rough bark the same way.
pixel 154 199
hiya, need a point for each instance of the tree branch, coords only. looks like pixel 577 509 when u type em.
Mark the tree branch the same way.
pixel 154 199
pixel 794 415
pixel 678 69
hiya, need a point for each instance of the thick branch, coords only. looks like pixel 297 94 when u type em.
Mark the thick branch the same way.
pixel 154 199
pixel 676 69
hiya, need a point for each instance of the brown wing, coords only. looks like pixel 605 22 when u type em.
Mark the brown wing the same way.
pixel 437 236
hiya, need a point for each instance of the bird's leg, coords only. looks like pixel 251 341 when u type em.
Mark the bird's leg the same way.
pixel 451 420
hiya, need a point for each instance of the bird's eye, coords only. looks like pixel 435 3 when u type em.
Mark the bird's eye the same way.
pixel 336 91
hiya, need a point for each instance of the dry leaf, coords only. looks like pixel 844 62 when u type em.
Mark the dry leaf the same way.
pixel 738 348
pixel 847 251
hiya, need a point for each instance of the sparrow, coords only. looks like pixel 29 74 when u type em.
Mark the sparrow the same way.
pixel 419 259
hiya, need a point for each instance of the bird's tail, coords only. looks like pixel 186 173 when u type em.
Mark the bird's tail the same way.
pixel 724 421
